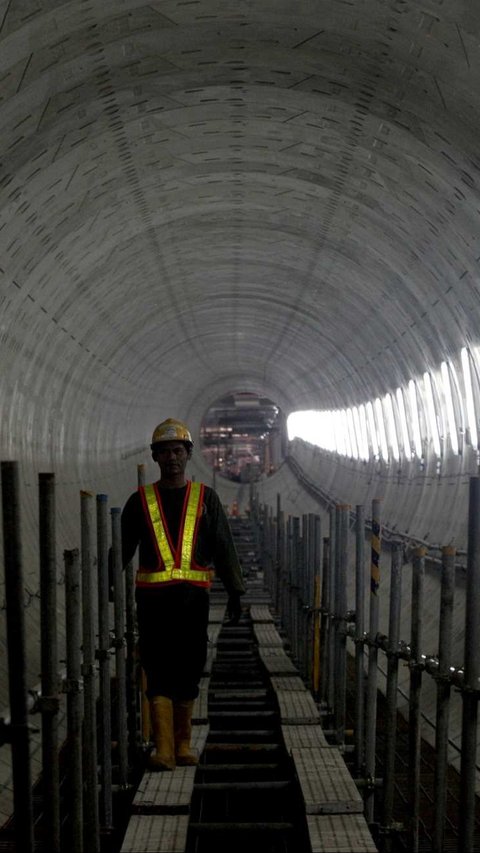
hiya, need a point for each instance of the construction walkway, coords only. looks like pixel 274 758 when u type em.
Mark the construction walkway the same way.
pixel 267 776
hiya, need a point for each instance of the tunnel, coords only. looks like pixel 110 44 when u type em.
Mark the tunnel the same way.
pixel 204 198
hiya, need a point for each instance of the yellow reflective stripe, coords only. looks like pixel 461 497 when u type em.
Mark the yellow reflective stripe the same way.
pixel 189 527
pixel 172 572
pixel 158 528
pixel 175 574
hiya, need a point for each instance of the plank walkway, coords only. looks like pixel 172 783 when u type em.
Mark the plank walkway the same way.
pixel 332 804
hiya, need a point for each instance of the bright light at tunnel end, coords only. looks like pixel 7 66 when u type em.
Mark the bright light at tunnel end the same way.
pixel 428 416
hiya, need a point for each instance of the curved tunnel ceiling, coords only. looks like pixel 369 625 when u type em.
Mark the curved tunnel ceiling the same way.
pixel 200 197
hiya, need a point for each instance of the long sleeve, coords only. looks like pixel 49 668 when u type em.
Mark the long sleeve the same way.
pixel 131 523
pixel 224 554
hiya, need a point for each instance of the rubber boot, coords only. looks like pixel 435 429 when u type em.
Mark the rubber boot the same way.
pixel 161 708
pixel 182 715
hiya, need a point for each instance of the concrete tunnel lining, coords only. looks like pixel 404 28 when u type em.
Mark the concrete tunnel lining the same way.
pixel 198 198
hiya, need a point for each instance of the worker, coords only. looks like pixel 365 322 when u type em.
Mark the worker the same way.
pixel 183 535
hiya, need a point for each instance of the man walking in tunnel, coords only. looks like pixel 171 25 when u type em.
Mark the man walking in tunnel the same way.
pixel 183 535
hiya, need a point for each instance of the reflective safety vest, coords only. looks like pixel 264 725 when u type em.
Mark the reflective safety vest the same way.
pixel 174 563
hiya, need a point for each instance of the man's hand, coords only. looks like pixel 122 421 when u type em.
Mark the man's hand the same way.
pixel 234 608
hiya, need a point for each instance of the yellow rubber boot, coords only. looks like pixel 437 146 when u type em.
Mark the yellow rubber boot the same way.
pixel 182 716
pixel 161 708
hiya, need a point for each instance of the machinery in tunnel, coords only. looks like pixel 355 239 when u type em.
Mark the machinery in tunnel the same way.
pixel 243 437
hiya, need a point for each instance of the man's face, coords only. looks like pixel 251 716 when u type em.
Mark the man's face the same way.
pixel 172 456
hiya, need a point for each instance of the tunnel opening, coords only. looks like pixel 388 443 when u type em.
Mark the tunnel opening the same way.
pixel 243 436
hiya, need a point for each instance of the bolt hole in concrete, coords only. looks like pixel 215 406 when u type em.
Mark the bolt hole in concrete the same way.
pixel 243 436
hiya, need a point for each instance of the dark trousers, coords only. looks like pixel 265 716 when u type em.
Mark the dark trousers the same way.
pixel 172 628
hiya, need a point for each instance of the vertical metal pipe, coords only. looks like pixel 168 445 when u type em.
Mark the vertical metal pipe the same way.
pixel 306 638
pixel 336 616
pixel 294 580
pixel 317 599
pixel 137 674
pixel 133 674
pixel 287 592
pixel 359 637
pixel 331 612
pixel 74 687
pixel 90 778
pixel 131 642
pixel 49 654
pixel 266 543
pixel 103 655
pixel 341 622
pixel 14 593
pixel 302 562
pixel 281 564
pixel 470 692
pixel 119 608
pixel 273 585
pixel 324 648
pixel 371 712
pixel 313 601
pixel 447 596
pixel 414 717
pixel 392 684
pixel 278 552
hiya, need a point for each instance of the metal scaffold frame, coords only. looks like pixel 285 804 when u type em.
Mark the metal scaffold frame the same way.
pixel 307 576
pixel 327 623
pixel 82 689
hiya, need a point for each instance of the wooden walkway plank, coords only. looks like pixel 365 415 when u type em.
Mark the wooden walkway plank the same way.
pixel 267 635
pixel 277 662
pixel 326 784
pixel 280 682
pixel 304 736
pixel 156 834
pixel 260 613
pixel 158 792
pixel 340 834
pixel 199 737
pixel 297 708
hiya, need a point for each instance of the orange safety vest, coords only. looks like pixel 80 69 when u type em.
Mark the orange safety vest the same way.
pixel 174 564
